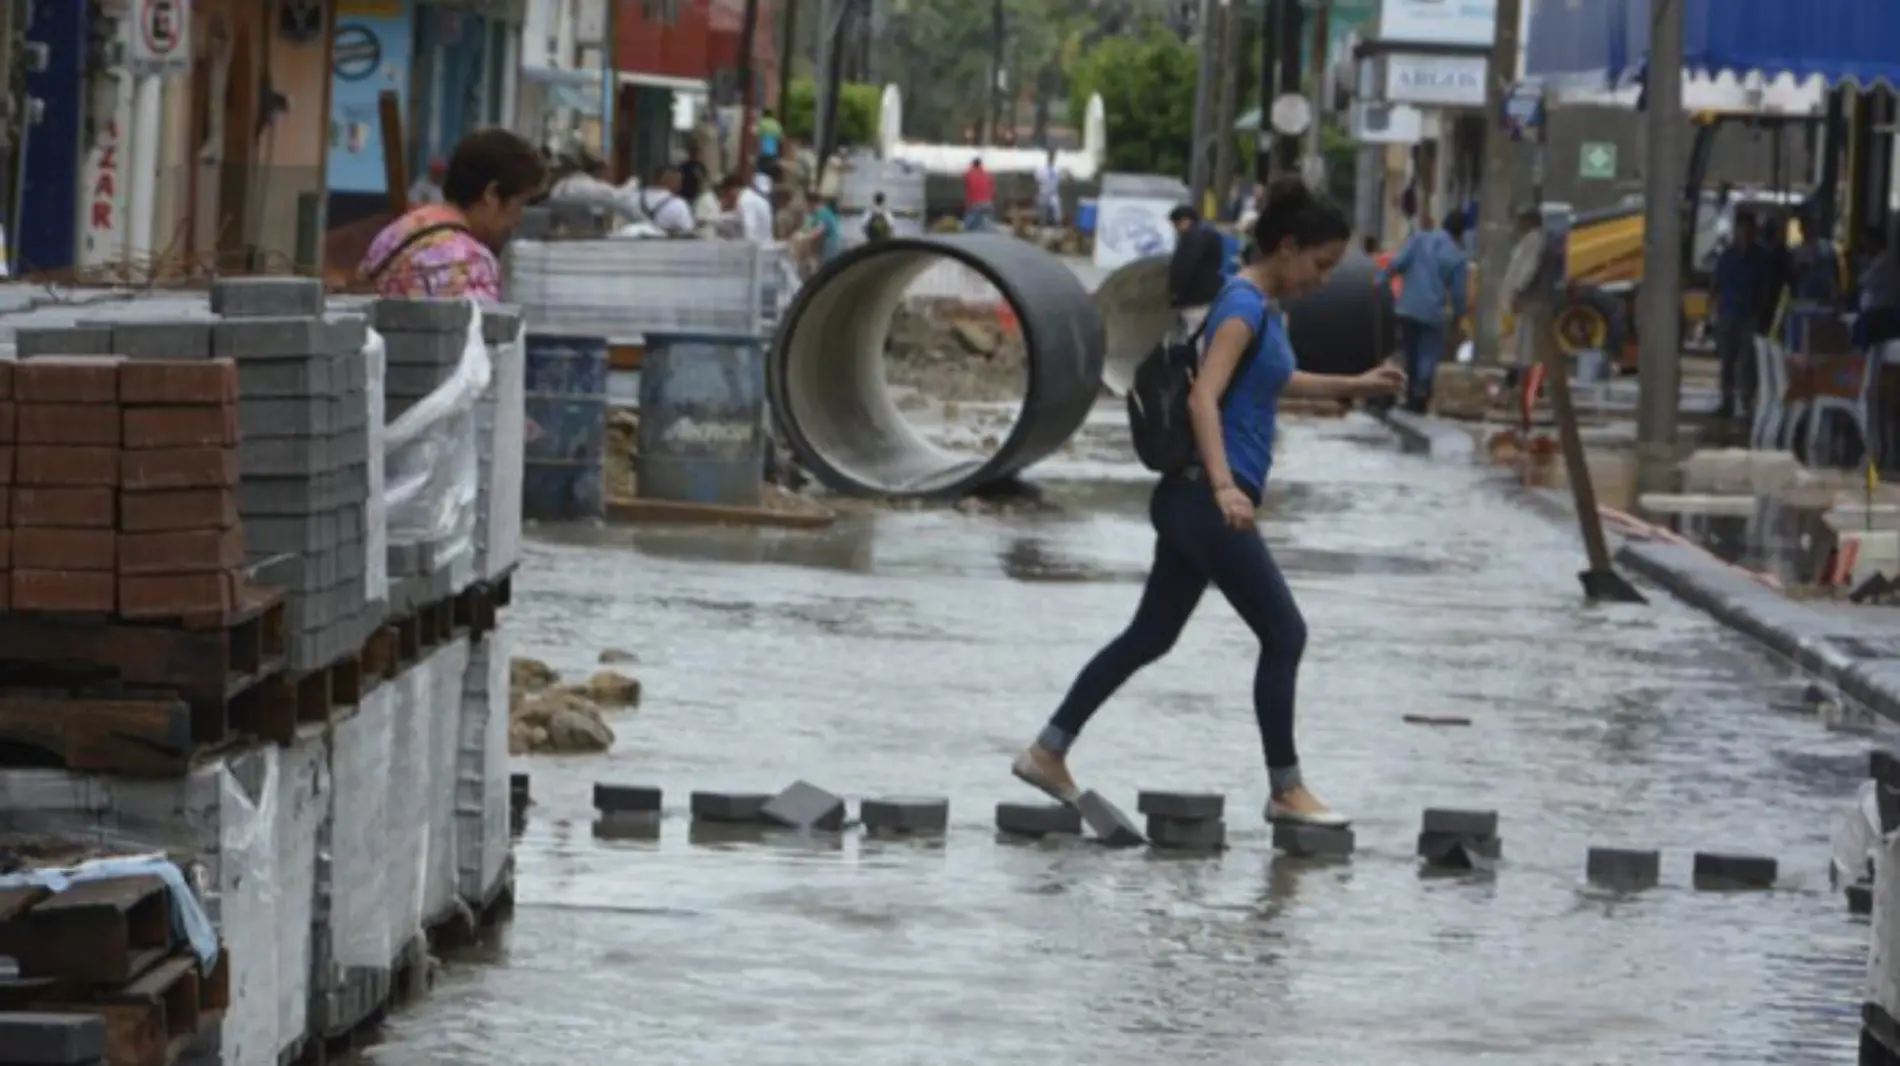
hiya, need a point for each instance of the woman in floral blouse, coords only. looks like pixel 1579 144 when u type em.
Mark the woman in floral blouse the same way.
pixel 449 249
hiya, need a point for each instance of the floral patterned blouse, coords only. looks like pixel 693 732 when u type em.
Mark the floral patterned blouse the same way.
pixel 430 252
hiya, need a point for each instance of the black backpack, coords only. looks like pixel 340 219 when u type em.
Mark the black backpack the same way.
pixel 1158 419
pixel 877 227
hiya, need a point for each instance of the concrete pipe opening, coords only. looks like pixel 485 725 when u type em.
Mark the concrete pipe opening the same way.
pixel 1344 328
pixel 834 401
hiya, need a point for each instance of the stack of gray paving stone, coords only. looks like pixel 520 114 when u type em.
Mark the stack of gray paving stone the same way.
pixel 500 424
pixel 481 771
pixel 304 413
pixel 423 341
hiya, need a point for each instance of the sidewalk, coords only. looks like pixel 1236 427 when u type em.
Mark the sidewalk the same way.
pixel 1855 649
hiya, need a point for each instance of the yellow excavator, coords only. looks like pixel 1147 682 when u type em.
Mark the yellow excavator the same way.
pixel 1604 249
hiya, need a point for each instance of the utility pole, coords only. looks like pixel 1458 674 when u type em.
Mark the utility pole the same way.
pixel 1494 202
pixel 787 48
pixel 1658 302
pixel 1223 133
pixel 748 85
pixel 1199 165
pixel 1322 30
pixel 1286 150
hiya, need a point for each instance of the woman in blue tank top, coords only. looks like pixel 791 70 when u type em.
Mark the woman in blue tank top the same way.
pixel 1204 516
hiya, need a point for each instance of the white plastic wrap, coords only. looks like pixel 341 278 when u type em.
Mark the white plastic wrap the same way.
pixel 1856 842
pixel 1883 955
pixel 481 779
pixel 407 848
pixel 506 412
pixel 302 805
pixel 249 896
pixel 430 457
pixel 446 669
pixel 376 509
pixel 361 899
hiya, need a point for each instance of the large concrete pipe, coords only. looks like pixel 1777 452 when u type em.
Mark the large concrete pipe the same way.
pixel 826 373
pixel 1343 328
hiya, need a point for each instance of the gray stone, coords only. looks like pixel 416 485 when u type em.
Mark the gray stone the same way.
pixel 1038 819
pixel 906 814
pixel 1187 834
pixel 1446 822
pixel 1716 872
pixel 161 339
pixel 62 340
pixel 737 808
pixel 413 382
pixel 1625 869
pixel 628 825
pixel 500 324
pixel 350 447
pixel 276 571
pixel 304 416
pixel 311 375
pixel 626 797
pixel 1459 853
pixel 1185 805
pixel 345 334
pixel 1107 822
pixel 807 807
pixel 33 1039
pixel 269 339
pixel 439 350
pixel 266 297
pixel 299 535
pixel 1313 841
pixel 302 457
pixel 420 316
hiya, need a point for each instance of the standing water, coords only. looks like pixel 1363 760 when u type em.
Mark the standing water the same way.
pixel 916 652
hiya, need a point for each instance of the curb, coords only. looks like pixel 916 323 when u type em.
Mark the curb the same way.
pixel 1862 662
pixel 1429 436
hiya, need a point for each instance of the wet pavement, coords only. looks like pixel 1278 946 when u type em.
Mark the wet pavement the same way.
pixel 914 652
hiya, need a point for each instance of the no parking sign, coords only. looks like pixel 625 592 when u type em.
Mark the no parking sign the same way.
pixel 161 37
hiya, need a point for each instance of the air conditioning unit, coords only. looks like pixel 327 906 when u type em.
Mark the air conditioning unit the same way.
pixel 1374 122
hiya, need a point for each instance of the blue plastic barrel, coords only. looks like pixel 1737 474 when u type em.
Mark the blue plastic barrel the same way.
pixel 566 427
pixel 1085 215
pixel 702 419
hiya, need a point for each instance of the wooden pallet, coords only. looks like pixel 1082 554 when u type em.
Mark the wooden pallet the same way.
pixel 214 665
pixel 149 737
pixel 97 932
pixel 152 1019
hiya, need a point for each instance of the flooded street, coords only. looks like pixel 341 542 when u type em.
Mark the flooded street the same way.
pixel 916 652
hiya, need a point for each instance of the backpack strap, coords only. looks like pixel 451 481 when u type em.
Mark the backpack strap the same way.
pixel 411 241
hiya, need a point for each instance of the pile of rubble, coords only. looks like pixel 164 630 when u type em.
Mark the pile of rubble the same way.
pixel 953 353
pixel 545 716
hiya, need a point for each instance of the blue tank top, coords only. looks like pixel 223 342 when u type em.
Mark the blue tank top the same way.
pixel 1249 417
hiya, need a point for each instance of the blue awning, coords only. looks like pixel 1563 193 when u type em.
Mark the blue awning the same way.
pixel 1605 42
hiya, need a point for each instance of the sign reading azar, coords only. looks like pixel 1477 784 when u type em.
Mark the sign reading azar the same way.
pixel 1435 81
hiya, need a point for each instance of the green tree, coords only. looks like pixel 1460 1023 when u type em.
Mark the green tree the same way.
pixel 858 107
pixel 1147 89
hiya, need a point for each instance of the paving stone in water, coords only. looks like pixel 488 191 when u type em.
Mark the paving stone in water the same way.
pixel 1187 834
pixel 1460 853
pixel 906 814
pixel 1312 840
pixel 736 808
pixel 1182 805
pixel 626 797
pixel 1623 868
pixel 628 825
pixel 1860 898
pixel 1715 872
pixel 1455 823
pixel 1108 822
pixel 805 806
pixel 1038 819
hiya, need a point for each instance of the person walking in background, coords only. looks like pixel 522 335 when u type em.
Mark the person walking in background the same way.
pixel 1196 268
pixel 821 238
pixel 755 209
pixel 663 205
pixel 1204 515
pixel 1431 268
pixel 1742 278
pixel 1817 269
pixel 979 197
pixel 878 224
pixel 771 135
pixel 1049 193
pixel 450 249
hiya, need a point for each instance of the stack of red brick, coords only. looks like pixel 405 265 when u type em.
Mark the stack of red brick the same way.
pixel 121 486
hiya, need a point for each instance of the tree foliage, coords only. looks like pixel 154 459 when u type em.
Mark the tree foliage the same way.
pixel 1147 89
pixel 858 107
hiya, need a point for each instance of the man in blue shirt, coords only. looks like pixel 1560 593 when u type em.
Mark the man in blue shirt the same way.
pixel 1431 268
pixel 1743 274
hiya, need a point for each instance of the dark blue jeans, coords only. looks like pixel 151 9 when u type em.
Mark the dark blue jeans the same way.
pixel 1423 346
pixel 1195 548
